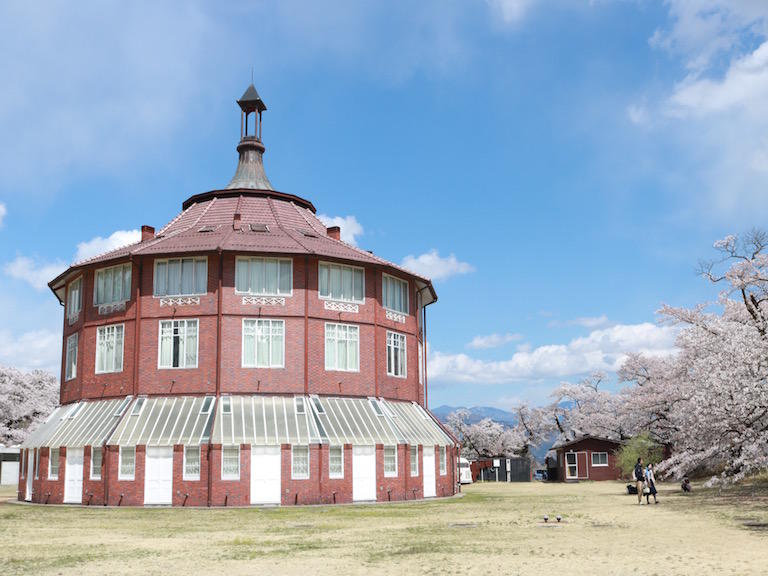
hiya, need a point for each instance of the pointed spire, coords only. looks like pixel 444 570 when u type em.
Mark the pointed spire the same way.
pixel 250 101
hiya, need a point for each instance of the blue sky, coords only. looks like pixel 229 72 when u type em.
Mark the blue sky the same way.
pixel 558 167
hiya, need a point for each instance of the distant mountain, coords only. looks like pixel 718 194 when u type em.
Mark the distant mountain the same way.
pixel 477 413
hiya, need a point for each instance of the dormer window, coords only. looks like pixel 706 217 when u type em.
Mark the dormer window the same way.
pixel 74 300
pixel 264 276
pixel 394 294
pixel 181 277
pixel 113 285
pixel 339 282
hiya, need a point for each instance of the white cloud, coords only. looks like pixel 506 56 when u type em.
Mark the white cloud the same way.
pixel 432 265
pixel 637 114
pixel 603 349
pixel 98 245
pixel 34 273
pixel 3 212
pixel 510 11
pixel 36 349
pixel 350 227
pixel 583 321
pixel 717 112
pixel 493 340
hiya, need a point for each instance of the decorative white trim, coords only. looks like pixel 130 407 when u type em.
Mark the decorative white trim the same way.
pixel 73 318
pixel 264 300
pixel 337 306
pixel 180 301
pixel 395 316
pixel 110 308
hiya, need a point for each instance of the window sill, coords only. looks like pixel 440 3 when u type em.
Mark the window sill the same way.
pixel 190 479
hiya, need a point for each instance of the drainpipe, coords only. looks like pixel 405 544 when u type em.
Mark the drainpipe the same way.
pixel 377 280
pixel 137 331
pixel 306 324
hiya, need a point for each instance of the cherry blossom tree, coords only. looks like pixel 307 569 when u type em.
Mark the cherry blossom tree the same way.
pixel 26 398
pixel 485 438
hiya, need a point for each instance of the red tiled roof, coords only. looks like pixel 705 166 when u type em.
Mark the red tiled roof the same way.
pixel 293 229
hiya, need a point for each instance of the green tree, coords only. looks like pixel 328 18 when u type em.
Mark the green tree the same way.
pixel 641 446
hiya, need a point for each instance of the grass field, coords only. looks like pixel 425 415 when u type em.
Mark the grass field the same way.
pixel 494 528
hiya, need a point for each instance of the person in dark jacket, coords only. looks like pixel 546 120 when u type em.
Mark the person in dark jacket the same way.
pixel 650 480
pixel 639 479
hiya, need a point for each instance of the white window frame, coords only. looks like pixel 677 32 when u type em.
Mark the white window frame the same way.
pixel 53 472
pixel 196 261
pixel 226 405
pixel 397 280
pixel 188 475
pixel 331 473
pixel 599 465
pixel 341 267
pixel 70 357
pixel 443 455
pixel 95 472
pixel 414 449
pixel 186 322
pixel 393 449
pixel 299 475
pixel 299 401
pixel 256 337
pixel 74 305
pixel 403 345
pixel 250 259
pixel 421 363
pixel 124 475
pixel 126 297
pixel 230 475
pixel 336 368
pixel 101 332
pixel 37 463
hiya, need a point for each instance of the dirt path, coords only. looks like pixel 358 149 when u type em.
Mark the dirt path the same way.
pixel 496 528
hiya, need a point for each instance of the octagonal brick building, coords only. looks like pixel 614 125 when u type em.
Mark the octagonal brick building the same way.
pixel 241 354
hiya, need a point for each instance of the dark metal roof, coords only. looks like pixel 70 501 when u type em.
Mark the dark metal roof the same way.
pixel 251 101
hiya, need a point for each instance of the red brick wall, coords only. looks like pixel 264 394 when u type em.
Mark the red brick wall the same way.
pixel 231 492
pixel 189 492
pixel 126 492
pixel 371 378
pixel 93 490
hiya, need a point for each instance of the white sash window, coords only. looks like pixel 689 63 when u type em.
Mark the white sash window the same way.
pixel 181 276
pixel 53 464
pixel 230 462
pixel 127 464
pixel 264 276
pixel 342 347
pixel 263 343
pixel 74 300
pixel 443 464
pixel 191 463
pixel 178 344
pixel 339 282
pixel 112 285
pixel 394 294
pixel 396 355
pixel 96 457
pixel 109 349
pixel 336 462
pixel 390 460
pixel 300 462
pixel 414 460
pixel 71 357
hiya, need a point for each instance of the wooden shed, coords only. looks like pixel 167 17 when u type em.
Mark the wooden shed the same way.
pixel 587 458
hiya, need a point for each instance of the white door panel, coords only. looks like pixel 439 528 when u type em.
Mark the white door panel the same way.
pixel 363 473
pixel 158 475
pixel 266 471
pixel 73 476
pixel 430 488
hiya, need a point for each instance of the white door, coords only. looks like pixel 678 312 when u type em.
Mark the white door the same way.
pixel 73 476
pixel 430 485
pixel 571 465
pixel 265 474
pixel 363 473
pixel 30 464
pixel 158 475
pixel 9 473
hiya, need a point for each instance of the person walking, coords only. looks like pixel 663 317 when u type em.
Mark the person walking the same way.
pixel 650 480
pixel 639 479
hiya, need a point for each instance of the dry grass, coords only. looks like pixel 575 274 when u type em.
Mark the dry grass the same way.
pixel 495 527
